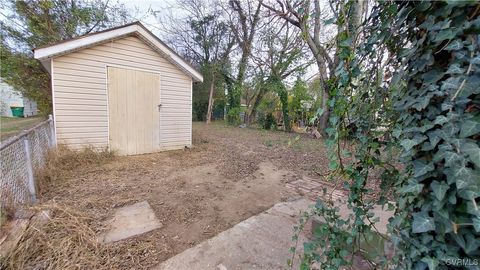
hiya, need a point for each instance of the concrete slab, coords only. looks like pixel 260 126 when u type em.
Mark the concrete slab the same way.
pixel 260 242
pixel 129 221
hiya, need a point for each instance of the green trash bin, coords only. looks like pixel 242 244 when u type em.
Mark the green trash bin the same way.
pixel 17 111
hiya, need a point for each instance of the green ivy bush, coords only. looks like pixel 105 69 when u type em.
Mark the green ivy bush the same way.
pixel 438 129
pixel 412 86
pixel 233 116
pixel 270 122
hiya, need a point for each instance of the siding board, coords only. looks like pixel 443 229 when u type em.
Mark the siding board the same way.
pixel 81 101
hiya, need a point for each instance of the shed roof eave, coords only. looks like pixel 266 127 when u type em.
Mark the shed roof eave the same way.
pixel 45 53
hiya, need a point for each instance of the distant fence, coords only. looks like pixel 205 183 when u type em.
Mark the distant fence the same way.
pixel 20 156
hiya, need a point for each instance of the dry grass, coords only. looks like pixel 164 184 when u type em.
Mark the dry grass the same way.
pixel 65 241
pixel 7 210
pixel 62 160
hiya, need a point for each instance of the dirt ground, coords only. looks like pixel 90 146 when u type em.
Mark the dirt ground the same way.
pixel 229 175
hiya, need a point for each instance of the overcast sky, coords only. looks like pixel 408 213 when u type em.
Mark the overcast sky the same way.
pixel 143 8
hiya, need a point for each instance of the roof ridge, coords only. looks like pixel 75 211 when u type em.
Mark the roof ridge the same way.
pixel 54 50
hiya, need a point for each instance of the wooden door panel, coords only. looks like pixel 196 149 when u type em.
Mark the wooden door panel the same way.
pixel 134 120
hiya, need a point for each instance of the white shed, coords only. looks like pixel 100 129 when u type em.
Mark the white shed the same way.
pixel 121 88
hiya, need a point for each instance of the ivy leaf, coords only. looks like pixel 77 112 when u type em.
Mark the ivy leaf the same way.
pixel 431 262
pixel 469 194
pixel 432 76
pixel 440 155
pixel 475 60
pixel 443 212
pixel 397 132
pixel 346 42
pixel 469 128
pixel 476 224
pixel 445 24
pixel 451 157
pixel 463 176
pixel 445 146
pixel 454 45
pixel 471 244
pixel 344 253
pixel 473 152
pixel 444 34
pixel 439 189
pixel 423 6
pixel 451 83
pixel 459 239
pixel 396 78
pixel 447 131
pixel 413 188
pixel 422 223
pixel 472 209
pixel 440 120
pixel 446 106
pixel 455 69
pixel 421 168
pixel 409 143
pixel 318 114
pixel 332 165
pixel 470 87
pixel 422 103
pixel 434 138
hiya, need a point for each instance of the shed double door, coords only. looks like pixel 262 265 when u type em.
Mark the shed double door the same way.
pixel 133 111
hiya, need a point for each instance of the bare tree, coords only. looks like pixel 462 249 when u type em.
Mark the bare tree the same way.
pixel 244 22
pixel 309 17
pixel 280 53
pixel 210 98
pixel 204 37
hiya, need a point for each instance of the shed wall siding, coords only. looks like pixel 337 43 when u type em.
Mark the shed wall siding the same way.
pixel 81 110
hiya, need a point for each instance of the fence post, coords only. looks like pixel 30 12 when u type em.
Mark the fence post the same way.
pixel 31 181
pixel 53 140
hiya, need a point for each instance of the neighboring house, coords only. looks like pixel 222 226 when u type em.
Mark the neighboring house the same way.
pixel 9 97
pixel 120 88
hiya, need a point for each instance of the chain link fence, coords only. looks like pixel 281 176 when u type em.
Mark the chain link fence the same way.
pixel 20 156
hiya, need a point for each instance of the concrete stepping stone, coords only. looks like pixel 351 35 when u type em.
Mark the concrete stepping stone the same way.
pixel 130 221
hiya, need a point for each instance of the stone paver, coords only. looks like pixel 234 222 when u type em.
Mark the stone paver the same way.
pixel 129 221
pixel 313 188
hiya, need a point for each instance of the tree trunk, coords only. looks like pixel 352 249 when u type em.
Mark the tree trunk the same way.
pixel 323 121
pixel 236 93
pixel 257 101
pixel 210 99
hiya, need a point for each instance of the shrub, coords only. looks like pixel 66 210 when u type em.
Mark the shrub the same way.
pixel 233 116
pixel 269 122
pixel 63 159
